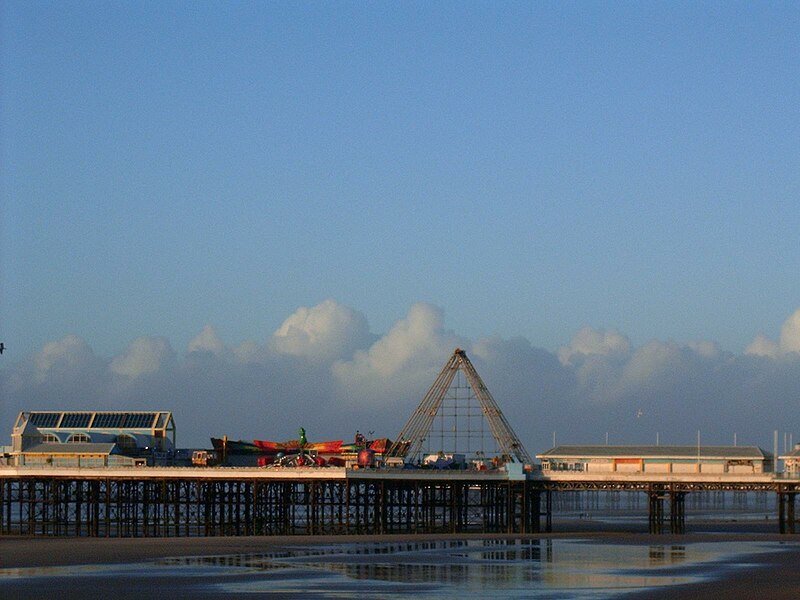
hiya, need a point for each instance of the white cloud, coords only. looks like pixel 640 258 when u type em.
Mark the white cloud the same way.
pixel 408 352
pixel 650 363
pixel 789 339
pixel 323 333
pixel 590 341
pixel 763 346
pixel 207 341
pixel 143 356
pixel 67 355
pixel 790 333
pixel 325 371
pixel 65 374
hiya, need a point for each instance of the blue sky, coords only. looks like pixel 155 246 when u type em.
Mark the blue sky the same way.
pixel 530 169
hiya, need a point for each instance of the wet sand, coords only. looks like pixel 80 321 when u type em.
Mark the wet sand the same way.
pixel 773 575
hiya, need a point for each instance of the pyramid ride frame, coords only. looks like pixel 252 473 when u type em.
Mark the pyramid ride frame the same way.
pixel 410 441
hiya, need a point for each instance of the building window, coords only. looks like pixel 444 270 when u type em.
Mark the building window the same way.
pixel 79 438
pixel 50 438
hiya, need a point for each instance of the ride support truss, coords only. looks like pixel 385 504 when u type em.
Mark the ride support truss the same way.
pixel 409 442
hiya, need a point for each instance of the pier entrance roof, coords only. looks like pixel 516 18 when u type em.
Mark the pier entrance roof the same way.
pixel 129 429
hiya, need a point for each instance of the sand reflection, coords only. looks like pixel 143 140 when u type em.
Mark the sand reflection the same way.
pixel 466 569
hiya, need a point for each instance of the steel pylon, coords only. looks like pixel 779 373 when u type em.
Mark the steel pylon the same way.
pixel 410 440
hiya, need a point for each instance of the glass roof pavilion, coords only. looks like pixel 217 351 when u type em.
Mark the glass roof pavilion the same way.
pixel 159 426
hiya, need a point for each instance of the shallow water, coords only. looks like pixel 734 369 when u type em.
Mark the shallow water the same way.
pixel 534 569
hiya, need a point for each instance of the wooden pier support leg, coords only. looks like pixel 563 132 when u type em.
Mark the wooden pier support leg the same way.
pixel 455 507
pixel 382 508
pixel 781 512
pixel 5 507
pixel 677 516
pixel 510 507
pixel 94 509
pixel 549 511
pixel 790 520
pixel 656 512
pixel 535 511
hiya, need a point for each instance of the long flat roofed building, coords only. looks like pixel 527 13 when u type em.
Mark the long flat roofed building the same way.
pixel 740 460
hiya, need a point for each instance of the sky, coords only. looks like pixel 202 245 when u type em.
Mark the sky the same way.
pixel 255 214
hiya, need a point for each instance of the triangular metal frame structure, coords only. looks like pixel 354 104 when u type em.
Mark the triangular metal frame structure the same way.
pixel 410 440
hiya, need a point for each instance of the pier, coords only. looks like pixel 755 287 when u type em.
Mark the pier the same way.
pixel 666 494
pixel 234 501
pixel 153 502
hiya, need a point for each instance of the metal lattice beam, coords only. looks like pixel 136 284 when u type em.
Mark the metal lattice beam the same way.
pixel 410 440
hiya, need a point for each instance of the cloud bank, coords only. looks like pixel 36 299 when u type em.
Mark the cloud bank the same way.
pixel 324 370
pixel 788 343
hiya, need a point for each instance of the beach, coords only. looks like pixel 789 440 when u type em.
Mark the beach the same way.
pixel 772 574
